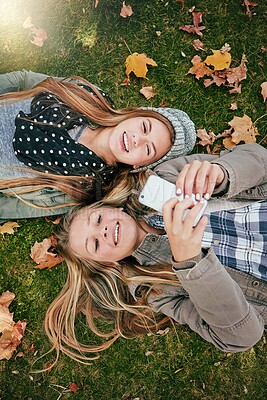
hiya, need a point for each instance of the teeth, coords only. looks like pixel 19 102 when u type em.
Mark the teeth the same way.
pixel 125 142
pixel 116 233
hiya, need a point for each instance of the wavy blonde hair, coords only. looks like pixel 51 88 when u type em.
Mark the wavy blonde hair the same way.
pixel 101 290
pixel 99 111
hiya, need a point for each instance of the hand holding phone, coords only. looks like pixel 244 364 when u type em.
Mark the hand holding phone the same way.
pixel 157 191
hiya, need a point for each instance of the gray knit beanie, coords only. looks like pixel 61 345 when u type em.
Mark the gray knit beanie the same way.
pixel 184 134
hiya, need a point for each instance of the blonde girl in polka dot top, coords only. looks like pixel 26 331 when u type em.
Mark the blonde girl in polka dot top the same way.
pixel 64 128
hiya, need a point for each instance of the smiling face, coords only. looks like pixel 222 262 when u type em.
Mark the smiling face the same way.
pixel 139 141
pixel 104 234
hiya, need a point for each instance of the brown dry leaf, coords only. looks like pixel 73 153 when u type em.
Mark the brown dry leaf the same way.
pixel 43 257
pixel 163 331
pixel 191 9
pixel 6 317
pixel 126 11
pixel 147 91
pixel 228 143
pixel 199 68
pixel 219 60
pixel 125 82
pixel 244 130
pixel 8 227
pixel 12 332
pixel 73 387
pixel 136 63
pixel 197 18
pixel 233 106
pixel 10 340
pixel 39 36
pixel 198 45
pixel 55 221
pixel 195 28
pixel 96 3
pixel 247 4
pixel 206 138
pixel 218 80
pixel 148 353
pixel 28 23
pixel 226 48
pixel 264 91
pixel 237 74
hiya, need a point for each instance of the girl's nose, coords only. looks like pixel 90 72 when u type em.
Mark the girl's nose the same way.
pixel 138 140
pixel 105 231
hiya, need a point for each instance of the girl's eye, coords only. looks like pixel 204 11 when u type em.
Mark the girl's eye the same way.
pixel 96 244
pixel 148 150
pixel 144 128
pixel 99 220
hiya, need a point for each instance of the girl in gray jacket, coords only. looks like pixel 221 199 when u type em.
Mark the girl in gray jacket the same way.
pixel 125 267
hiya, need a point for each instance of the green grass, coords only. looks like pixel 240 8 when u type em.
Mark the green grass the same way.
pixel 94 43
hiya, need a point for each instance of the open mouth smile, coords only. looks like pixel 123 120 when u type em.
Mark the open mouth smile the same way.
pixel 125 142
pixel 116 233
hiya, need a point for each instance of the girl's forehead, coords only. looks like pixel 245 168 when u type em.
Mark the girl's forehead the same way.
pixel 107 211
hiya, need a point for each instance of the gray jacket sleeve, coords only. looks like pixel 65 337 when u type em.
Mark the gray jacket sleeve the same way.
pixel 213 305
pixel 36 204
pixel 19 80
pixel 245 169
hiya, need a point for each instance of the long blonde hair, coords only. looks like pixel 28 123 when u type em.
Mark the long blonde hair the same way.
pixel 101 290
pixel 100 112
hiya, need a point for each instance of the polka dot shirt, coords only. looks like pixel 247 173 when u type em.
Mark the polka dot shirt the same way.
pixel 42 140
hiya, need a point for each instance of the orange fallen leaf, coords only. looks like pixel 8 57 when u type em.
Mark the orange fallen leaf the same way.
pixel 43 257
pixel 147 91
pixel 264 91
pixel 136 63
pixel 219 60
pixel 126 11
pixel 8 227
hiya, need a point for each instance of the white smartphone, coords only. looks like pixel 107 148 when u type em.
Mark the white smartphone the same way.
pixel 157 191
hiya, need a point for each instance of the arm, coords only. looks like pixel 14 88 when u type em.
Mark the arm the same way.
pixel 244 167
pixel 19 80
pixel 12 207
pixel 216 307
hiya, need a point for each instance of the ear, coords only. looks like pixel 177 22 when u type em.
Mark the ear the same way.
pixel 135 166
